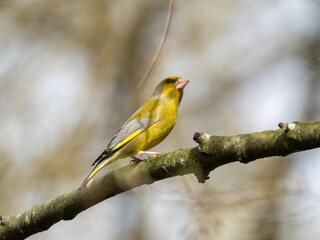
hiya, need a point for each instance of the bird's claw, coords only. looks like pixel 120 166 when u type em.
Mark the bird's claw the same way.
pixel 135 160
pixel 151 154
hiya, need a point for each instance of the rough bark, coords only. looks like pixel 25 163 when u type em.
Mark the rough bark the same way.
pixel 212 152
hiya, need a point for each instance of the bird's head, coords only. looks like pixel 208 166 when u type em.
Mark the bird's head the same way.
pixel 171 87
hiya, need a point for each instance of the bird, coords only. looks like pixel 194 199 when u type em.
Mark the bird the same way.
pixel 146 128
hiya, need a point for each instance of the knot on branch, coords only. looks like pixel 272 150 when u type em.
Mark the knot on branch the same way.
pixel 202 139
pixel 292 130
pixel 201 171
pixel 201 175
pixel 287 126
pixel 196 136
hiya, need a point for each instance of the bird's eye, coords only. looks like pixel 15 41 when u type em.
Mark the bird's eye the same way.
pixel 169 81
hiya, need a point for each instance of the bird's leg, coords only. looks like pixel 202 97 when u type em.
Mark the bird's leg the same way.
pixel 151 154
pixel 135 159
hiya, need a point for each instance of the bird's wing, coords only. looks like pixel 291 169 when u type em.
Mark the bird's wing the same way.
pixel 142 119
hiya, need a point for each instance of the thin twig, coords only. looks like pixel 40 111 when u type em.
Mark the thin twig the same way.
pixel 164 38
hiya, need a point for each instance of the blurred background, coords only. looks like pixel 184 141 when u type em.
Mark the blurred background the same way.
pixel 69 75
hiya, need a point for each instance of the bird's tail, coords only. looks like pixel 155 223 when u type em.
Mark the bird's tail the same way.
pixel 97 168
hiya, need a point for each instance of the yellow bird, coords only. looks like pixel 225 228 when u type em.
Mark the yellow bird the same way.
pixel 146 128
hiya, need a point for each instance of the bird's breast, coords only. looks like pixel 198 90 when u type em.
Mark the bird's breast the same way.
pixel 166 120
pixel 156 133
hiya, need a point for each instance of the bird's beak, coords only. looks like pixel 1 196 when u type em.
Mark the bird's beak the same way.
pixel 181 83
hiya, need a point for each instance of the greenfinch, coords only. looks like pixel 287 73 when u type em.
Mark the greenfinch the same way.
pixel 146 128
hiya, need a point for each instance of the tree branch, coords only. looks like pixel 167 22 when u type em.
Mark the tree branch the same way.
pixel 212 152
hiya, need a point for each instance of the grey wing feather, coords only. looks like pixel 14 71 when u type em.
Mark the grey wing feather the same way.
pixel 127 129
